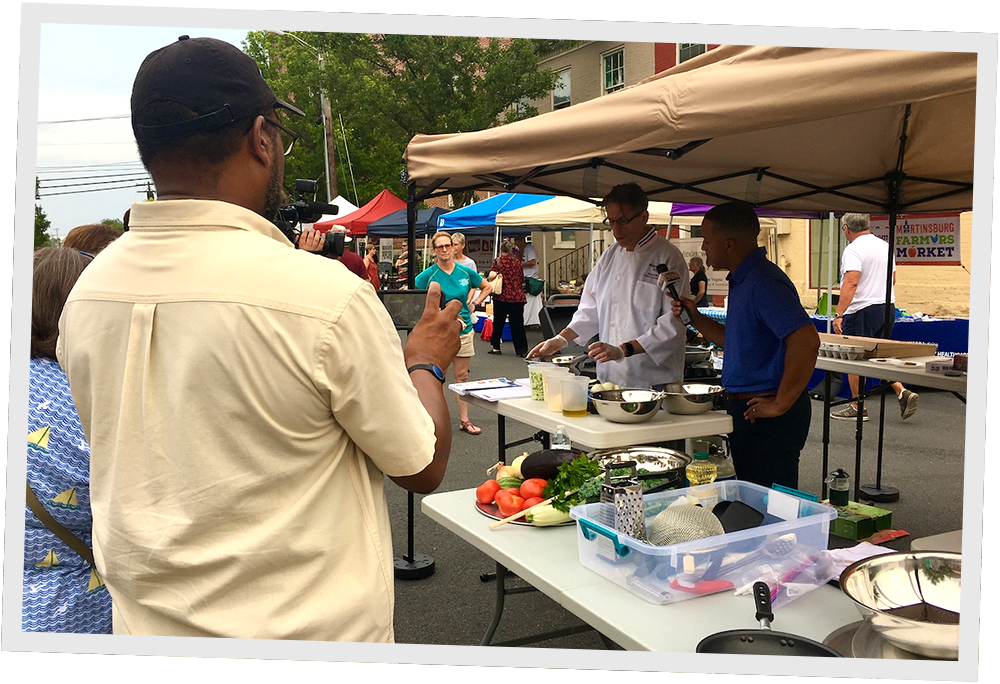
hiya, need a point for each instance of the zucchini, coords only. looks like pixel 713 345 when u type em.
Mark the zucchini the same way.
pixel 509 482
pixel 545 463
pixel 544 516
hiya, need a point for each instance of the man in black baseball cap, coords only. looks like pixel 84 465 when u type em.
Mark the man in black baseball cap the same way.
pixel 232 388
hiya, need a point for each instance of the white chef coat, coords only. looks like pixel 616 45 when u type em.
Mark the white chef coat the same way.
pixel 622 301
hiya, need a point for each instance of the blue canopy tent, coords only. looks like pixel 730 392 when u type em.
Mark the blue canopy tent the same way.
pixel 483 214
pixel 394 224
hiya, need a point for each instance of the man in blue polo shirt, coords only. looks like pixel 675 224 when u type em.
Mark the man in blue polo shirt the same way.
pixel 770 349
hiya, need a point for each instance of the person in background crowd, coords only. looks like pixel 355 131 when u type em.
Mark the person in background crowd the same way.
pixel 371 265
pixel 463 259
pixel 861 307
pixel 699 281
pixel 456 283
pixel 509 304
pixel 529 261
pixel 232 388
pixel 770 345
pixel 91 238
pixel 640 343
pixel 62 592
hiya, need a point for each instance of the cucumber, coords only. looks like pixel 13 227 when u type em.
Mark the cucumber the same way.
pixel 509 482
pixel 545 463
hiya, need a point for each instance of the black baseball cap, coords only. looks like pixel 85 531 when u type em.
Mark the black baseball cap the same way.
pixel 210 76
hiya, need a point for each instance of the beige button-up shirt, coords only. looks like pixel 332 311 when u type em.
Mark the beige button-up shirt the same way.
pixel 242 400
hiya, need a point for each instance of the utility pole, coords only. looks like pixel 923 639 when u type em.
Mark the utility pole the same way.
pixel 329 145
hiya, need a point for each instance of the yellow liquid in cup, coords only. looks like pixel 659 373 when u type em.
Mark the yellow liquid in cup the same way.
pixel 574 414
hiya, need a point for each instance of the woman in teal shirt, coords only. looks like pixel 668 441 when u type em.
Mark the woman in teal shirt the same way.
pixel 457 282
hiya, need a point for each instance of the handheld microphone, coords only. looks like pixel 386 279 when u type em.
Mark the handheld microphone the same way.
pixel 669 278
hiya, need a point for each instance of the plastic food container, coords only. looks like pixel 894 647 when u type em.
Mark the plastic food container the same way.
pixel 793 530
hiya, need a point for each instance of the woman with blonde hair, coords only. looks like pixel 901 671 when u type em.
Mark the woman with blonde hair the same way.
pixel 699 281
pixel 456 283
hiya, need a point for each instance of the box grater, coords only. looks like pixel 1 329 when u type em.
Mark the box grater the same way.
pixel 621 505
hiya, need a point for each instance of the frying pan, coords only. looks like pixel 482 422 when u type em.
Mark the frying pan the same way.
pixel 763 641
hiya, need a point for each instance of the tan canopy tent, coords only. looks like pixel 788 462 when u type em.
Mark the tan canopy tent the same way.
pixel 789 128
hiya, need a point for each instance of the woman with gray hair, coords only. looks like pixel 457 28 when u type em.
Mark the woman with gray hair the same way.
pixel 509 304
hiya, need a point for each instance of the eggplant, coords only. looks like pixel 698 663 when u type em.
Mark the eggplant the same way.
pixel 545 462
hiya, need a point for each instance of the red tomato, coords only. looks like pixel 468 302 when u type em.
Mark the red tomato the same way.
pixel 532 487
pixel 487 490
pixel 501 494
pixel 509 505
pixel 528 503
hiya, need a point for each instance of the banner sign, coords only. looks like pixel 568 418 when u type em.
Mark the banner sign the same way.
pixel 923 239
pixel 691 247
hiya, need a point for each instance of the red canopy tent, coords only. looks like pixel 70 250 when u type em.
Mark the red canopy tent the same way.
pixel 357 222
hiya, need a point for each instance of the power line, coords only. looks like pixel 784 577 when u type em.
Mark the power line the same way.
pixel 106 175
pixel 76 192
pixel 96 118
pixel 97 166
pixel 74 185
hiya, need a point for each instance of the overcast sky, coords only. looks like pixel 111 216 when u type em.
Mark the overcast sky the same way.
pixel 97 86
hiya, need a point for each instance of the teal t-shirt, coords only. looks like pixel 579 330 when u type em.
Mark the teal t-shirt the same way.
pixel 455 285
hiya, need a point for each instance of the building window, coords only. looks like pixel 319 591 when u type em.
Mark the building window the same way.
pixel 614 71
pixel 561 93
pixel 686 51
pixel 565 239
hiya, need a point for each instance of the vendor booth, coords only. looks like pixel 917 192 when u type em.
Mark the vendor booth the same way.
pixel 787 129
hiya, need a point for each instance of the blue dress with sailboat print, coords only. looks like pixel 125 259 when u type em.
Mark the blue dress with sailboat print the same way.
pixel 62 593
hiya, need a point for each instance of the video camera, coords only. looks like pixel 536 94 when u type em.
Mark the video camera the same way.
pixel 292 216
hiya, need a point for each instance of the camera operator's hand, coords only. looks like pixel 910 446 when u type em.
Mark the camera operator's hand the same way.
pixel 434 339
pixel 311 240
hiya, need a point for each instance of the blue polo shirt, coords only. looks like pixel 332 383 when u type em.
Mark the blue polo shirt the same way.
pixel 764 308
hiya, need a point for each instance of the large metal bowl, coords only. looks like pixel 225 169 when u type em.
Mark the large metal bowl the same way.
pixel 659 463
pixel 694 354
pixel 910 598
pixel 627 405
pixel 689 398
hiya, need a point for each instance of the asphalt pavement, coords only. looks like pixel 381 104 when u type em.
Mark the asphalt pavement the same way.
pixel 923 457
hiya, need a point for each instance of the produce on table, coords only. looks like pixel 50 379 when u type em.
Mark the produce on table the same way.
pixel 509 482
pixel 547 515
pixel 487 491
pixel 609 386
pixel 533 501
pixel 515 465
pixel 509 505
pixel 570 477
pixel 533 487
pixel 545 463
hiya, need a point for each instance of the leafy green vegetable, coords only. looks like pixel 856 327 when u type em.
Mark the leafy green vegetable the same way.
pixel 571 476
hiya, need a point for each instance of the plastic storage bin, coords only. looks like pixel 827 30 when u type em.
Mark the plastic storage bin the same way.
pixel 793 531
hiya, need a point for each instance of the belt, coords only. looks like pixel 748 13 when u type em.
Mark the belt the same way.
pixel 748 395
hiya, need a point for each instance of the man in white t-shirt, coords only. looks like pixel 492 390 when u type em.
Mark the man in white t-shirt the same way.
pixel 861 309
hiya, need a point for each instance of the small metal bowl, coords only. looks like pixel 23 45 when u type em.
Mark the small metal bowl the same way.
pixel 694 354
pixel 627 405
pixel 689 398
pixel 910 598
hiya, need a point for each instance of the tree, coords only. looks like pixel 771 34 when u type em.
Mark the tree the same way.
pixel 42 225
pixel 114 223
pixel 388 88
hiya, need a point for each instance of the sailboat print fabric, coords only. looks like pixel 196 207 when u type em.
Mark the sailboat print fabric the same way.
pixel 61 591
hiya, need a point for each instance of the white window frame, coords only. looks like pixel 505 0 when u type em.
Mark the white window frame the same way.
pixel 561 242
pixel 681 46
pixel 564 83
pixel 620 53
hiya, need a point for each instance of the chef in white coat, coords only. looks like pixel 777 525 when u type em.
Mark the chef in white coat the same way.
pixel 640 342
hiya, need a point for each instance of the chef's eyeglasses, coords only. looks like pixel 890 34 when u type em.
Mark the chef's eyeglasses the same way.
pixel 283 128
pixel 619 221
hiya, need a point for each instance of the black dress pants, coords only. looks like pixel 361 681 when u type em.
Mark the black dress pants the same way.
pixel 514 311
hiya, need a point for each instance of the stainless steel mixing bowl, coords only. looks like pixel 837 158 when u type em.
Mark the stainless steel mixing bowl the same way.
pixel 689 398
pixel 910 598
pixel 627 405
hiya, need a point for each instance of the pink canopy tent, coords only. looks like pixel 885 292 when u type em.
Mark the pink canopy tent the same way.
pixel 356 223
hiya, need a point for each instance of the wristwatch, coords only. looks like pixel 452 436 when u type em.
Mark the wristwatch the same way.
pixel 438 373
pixel 629 349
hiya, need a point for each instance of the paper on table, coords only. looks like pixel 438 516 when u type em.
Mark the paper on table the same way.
pixel 515 392
pixel 466 387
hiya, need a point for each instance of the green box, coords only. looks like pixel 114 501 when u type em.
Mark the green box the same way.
pixel 858 521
